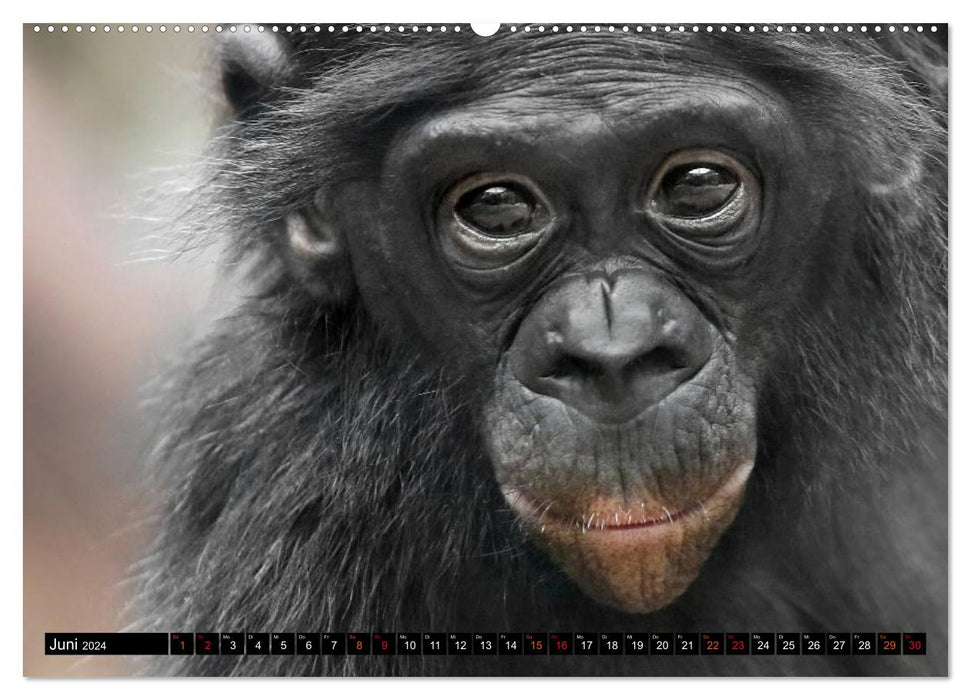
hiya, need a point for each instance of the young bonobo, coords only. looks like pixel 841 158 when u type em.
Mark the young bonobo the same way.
pixel 567 332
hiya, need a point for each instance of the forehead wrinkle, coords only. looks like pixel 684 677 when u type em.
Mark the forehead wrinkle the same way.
pixel 620 100
pixel 581 63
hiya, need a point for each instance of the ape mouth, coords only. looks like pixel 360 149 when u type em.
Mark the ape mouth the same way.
pixel 619 515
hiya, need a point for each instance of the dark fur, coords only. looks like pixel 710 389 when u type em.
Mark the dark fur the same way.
pixel 318 479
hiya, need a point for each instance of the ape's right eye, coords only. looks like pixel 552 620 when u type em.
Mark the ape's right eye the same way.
pixel 490 220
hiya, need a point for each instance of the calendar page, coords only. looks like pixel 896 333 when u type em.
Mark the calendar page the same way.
pixel 441 349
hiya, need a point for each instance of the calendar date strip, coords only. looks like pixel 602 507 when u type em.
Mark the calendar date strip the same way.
pixel 487 643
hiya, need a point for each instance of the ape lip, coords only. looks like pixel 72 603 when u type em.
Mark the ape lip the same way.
pixel 725 491
pixel 525 507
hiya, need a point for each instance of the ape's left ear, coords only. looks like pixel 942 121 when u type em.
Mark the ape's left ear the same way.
pixel 316 252
pixel 252 63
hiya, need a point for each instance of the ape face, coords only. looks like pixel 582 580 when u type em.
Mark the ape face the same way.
pixel 591 256
pixel 600 257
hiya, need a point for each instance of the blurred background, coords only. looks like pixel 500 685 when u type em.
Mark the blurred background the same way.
pixel 107 118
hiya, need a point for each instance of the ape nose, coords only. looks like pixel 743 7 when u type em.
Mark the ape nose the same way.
pixel 611 345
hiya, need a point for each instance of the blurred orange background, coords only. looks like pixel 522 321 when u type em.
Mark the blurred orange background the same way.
pixel 107 116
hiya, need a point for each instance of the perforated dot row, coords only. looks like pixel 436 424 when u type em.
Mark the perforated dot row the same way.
pixel 205 28
pixel 709 28
pixel 402 29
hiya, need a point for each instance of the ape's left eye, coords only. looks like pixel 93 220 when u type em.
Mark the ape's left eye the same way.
pixel 488 221
pixel 707 197
pixel 694 190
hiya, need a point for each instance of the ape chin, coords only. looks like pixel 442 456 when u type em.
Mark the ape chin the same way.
pixel 642 564
pixel 616 332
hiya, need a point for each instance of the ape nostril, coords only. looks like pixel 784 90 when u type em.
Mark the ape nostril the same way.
pixel 655 361
pixel 567 366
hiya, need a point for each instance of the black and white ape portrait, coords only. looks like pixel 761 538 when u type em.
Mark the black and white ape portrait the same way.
pixel 580 332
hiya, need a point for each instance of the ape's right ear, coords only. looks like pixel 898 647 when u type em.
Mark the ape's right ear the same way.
pixel 252 63
pixel 316 252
